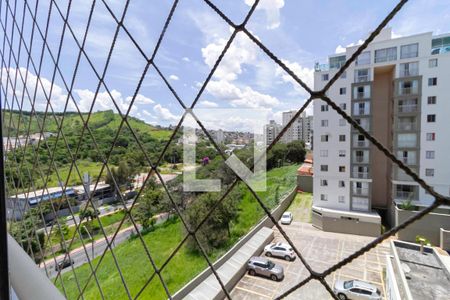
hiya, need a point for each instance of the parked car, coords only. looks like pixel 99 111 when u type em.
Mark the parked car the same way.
pixel 356 289
pixel 286 218
pixel 263 266
pixel 64 264
pixel 280 250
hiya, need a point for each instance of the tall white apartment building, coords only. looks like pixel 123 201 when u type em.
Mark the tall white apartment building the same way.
pixel 271 131
pixel 399 91
pixel 301 129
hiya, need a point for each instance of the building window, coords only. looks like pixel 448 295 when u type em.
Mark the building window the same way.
pixel 431 118
pixel 343 106
pixel 408 87
pixel 324 138
pixel 406 140
pixel 324 123
pixel 325 77
pixel 324 107
pixel 341 169
pixel 323 182
pixel 363 58
pixel 342 138
pixel 409 69
pixel 342 122
pixel 387 54
pixel 323 197
pixel 432 100
pixel 323 153
pixel 431 136
pixel 409 51
pixel 324 168
pixel 362 75
pixel 341 199
pixel 432 81
pixel 361 92
pixel 429 172
pixel 341 183
pixel 341 153
pixel 429 154
pixel 342 91
pixel 433 63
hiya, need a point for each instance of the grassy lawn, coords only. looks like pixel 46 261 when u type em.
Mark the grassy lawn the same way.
pixel 301 207
pixel 136 267
pixel 185 265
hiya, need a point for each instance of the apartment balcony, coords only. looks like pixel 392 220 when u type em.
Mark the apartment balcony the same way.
pixel 360 175
pixel 362 144
pixel 405 195
pixel 360 191
pixel 363 78
pixel 407 126
pixel 361 112
pixel 408 108
pixel 409 73
pixel 408 160
pixel 360 159
pixel 408 91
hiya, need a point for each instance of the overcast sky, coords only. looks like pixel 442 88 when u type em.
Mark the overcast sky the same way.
pixel 298 32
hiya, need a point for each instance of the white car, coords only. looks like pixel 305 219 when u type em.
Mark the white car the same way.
pixel 286 218
pixel 356 289
pixel 280 250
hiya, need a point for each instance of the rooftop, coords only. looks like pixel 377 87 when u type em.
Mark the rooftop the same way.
pixel 426 275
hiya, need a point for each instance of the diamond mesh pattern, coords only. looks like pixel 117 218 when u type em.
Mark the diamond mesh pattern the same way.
pixel 18 51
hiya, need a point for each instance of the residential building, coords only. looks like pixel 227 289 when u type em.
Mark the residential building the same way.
pixel 271 131
pixel 301 128
pixel 397 91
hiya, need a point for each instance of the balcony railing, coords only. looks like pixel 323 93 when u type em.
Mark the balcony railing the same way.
pixel 408 73
pixel 361 112
pixel 361 191
pixel 360 175
pixel 360 159
pixel 407 108
pixel 364 143
pixel 408 160
pixel 405 195
pixel 408 91
pixel 407 126
pixel 362 78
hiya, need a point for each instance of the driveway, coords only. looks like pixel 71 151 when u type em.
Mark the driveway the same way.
pixel 321 250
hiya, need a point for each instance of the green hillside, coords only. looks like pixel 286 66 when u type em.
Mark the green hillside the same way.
pixel 31 164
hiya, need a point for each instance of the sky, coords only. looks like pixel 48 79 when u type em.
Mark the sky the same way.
pixel 300 33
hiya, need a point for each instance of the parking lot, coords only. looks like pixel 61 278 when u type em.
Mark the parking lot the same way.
pixel 321 250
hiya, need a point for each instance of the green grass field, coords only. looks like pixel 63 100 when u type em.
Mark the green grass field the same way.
pixel 301 207
pixel 185 265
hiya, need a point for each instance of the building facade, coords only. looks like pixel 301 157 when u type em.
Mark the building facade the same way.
pixel 271 131
pixel 300 130
pixel 397 90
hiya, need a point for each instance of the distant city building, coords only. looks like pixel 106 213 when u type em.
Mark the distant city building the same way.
pixel 271 131
pixel 300 130
pixel 219 136
pixel 397 90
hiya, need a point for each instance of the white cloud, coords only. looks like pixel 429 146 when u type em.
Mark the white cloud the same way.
pixel 173 77
pixel 241 51
pixel 206 103
pixel 304 73
pixel 164 114
pixel 341 49
pixel 272 9
pixel 140 99
pixel 237 97
pixel 186 59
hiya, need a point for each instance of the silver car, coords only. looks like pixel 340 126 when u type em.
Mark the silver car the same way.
pixel 356 289
pixel 286 218
pixel 263 266
pixel 280 250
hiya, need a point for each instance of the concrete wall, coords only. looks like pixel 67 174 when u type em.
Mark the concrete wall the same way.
pixel 305 183
pixel 429 226
pixel 332 224
pixel 265 222
pixel 61 213
pixel 444 239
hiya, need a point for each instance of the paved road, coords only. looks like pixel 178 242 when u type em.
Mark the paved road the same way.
pixel 80 255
